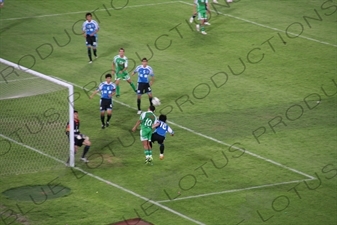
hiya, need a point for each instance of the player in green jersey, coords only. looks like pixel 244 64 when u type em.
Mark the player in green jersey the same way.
pixel 201 9
pixel 119 67
pixel 195 14
pixel 146 121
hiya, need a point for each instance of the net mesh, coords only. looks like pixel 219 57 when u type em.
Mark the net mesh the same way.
pixel 34 113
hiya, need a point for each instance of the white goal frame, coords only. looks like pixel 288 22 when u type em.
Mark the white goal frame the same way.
pixel 70 102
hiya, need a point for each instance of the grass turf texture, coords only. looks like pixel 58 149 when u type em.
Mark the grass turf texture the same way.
pixel 197 88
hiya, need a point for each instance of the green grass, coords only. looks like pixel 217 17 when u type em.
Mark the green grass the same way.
pixel 275 99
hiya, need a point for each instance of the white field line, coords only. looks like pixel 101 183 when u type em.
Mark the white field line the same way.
pixel 268 27
pixel 234 190
pixel 8 81
pixel 78 12
pixel 209 138
pixel 106 181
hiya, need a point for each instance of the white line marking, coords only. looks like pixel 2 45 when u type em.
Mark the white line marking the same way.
pixel 8 81
pixel 208 137
pixel 107 182
pixel 71 13
pixel 33 149
pixel 234 190
pixel 265 26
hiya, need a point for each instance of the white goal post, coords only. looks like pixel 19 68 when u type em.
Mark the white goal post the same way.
pixel 20 85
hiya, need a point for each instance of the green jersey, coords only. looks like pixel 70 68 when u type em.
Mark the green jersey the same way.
pixel 201 5
pixel 120 62
pixel 148 118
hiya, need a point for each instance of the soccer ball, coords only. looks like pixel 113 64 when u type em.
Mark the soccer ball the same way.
pixel 155 101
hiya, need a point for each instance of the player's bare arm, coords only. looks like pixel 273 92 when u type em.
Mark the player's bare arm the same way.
pixel 136 125
pixel 93 94
pixel 112 94
pixel 151 81
pixel 156 125
pixel 113 68
pixel 94 32
pixel 208 7
pixel 123 70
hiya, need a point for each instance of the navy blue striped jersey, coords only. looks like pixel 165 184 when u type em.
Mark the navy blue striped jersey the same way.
pixel 144 73
pixel 163 128
pixel 90 27
pixel 107 89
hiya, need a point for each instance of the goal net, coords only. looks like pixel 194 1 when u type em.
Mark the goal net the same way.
pixel 34 110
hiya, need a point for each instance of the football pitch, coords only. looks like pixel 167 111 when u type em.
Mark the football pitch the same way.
pixel 253 105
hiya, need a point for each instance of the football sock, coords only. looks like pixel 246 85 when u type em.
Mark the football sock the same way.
pixel 102 119
pixel 150 99
pixel 161 148
pixel 108 118
pixel 202 28
pixel 138 103
pixel 133 86
pixel 89 54
pixel 85 151
pixel 117 90
pixel 95 52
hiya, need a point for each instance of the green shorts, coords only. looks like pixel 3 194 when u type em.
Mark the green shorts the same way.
pixel 202 15
pixel 123 76
pixel 145 134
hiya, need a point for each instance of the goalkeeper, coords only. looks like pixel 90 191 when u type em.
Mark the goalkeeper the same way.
pixel 80 139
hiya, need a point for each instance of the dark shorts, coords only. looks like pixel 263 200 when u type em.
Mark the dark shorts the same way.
pixel 91 41
pixel 79 142
pixel 156 137
pixel 105 104
pixel 143 88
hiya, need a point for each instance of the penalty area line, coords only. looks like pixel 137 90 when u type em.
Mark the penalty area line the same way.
pixel 106 181
pixel 235 190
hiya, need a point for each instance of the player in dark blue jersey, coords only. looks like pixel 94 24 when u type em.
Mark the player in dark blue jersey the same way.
pixel 79 139
pixel 160 133
pixel 145 81
pixel 107 89
pixel 89 29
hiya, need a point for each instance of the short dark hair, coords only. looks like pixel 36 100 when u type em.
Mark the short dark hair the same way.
pixel 108 75
pixel 144 59
pixel 88 14
pixel 122 49
pixel 75 111
pixel 163 118
pixel 152 108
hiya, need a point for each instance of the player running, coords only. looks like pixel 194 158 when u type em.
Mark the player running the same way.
pixel 195 14
pixel 201 7
pixel 145 81
pixel 160 133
